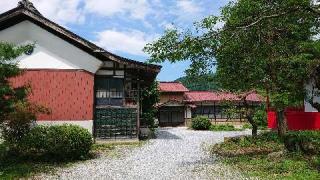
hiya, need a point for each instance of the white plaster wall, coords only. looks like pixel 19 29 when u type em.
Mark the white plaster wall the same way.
pixel 87 124
pixel 307 105
pixel 51 52
pixel 44 59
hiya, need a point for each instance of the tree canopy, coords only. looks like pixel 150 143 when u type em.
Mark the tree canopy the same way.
pixel 256 44
pixel 200 83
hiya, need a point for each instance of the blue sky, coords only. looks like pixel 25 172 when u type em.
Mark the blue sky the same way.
pixel 125 26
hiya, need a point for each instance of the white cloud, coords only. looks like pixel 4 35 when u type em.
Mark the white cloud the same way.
pixel 61 11
pixel 131 41
pixel 136 9
pixel 188 10
pixel 166 25
pixel 7 5
pixel 188 6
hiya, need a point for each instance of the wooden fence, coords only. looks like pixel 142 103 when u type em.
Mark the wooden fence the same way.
pixel 297 120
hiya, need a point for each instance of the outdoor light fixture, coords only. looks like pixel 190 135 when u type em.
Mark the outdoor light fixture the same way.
pixel 30 50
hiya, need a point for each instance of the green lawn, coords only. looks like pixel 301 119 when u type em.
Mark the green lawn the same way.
pixel 12 167
pixel 289 166
pixel 265 158
pixel 230 127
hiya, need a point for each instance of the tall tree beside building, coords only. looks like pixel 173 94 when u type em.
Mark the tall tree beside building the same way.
pixel 150 98
pixel 256 44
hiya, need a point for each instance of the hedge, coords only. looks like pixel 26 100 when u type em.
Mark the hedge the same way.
pixel 59 142
pixel 307 142
pixel 200 123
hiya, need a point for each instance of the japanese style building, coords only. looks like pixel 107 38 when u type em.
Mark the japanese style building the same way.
pixel 178 105
pixel 78 81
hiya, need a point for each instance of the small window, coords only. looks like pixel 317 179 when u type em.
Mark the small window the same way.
pixel 108 64
pixel 109 91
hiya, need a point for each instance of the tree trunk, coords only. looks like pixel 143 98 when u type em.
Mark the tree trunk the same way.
pixel 254 130
pixel 253 124
pixel 282 123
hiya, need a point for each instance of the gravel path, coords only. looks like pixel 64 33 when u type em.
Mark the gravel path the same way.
pixel 177 153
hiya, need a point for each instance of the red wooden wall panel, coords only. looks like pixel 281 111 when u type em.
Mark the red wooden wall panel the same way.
pixel 67 93
pixel 297 120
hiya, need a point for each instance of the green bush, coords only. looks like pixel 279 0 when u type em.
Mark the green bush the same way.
pixel 36 140
pixel 260 117
pixel 222 127
pixel 60 142
pixel 307 142
pixel 264 143
pixel 247 126
pixel 17 125
pixel 200 123
pixel 148 119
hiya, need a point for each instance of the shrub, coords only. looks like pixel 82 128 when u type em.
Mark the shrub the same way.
pixel 18 122
pixel 150 97
pixel 36 140
pixel 264 143
pixel 61 142
pixel 260 116
pixel 307 142
pixel 200 123
pixel 247 126
pixel 226 127
pixel 148 119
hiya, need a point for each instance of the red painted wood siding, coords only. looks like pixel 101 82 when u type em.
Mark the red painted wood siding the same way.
pixel 67 93
pixel 297 120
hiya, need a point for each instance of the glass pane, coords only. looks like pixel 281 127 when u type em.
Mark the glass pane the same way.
pixel 109 91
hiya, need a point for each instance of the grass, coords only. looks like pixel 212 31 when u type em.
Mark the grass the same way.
pixel 113 149
pixel 229 127
pixel 264 144
pixel 112 145
pixel 264 158
pixel 249 126
pixel 13 167
pixel 289 166
pixel 25 169
pixel 226 127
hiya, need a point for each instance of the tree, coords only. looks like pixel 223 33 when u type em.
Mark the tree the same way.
pixel 200 83
pixel 262 45
pixel 150 97
pixel 16 113
pixel 9 96
pixel 247 110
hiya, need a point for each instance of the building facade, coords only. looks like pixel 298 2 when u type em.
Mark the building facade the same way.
pixel 78 81
pixel 178 105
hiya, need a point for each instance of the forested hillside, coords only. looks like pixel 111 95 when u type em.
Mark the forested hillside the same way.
pixel 200 83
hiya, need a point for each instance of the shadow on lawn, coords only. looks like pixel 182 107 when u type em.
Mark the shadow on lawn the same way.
pixel 28 166
pixel 13 166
